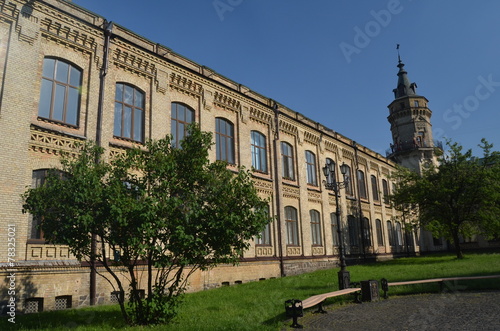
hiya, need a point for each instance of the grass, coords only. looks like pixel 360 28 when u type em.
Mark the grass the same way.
pixel 260 305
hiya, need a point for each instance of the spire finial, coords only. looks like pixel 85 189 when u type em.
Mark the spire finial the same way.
pixel 399 57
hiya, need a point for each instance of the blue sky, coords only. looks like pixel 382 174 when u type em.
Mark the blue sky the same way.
pixel 334 61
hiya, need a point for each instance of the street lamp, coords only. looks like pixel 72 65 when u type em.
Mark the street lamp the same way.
pixel 332 184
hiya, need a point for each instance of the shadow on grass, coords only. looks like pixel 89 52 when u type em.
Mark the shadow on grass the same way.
pixel 107 318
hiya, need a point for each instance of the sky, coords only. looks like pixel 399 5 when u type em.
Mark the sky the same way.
pixel 334 61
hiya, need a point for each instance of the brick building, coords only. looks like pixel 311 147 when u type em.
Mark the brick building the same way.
pixel 60 65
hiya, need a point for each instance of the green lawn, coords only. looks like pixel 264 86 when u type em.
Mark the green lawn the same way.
pixel 260 305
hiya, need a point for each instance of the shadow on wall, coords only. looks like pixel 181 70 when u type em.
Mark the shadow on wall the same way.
pixel 14 289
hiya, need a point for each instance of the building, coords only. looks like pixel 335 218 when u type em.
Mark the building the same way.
pixel 67 76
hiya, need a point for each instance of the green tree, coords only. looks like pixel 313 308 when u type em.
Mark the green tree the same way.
pixel 162 211
pixel 458 198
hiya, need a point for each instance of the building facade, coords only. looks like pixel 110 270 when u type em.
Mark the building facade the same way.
pixel 68 76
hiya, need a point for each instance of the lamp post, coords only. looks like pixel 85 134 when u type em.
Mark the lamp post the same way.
pixel 332 184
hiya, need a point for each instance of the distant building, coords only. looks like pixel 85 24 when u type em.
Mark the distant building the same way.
pixel 55 78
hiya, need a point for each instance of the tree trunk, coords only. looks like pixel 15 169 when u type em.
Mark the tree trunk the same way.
pixel 456 243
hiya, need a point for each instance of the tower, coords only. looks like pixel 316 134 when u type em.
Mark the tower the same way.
pixel 412 143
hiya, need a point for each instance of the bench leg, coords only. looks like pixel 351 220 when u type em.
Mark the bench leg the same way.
pixel 295 323
pixel 356 297
pixel 320 309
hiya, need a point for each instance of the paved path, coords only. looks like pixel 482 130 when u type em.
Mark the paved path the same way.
pixel 447 311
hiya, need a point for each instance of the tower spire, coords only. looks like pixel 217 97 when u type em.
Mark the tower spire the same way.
pixel 404 87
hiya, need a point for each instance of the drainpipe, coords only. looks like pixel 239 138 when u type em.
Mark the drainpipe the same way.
pixel 277 182
pixel 108 28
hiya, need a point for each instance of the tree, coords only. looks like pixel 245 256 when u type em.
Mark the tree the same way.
pixel 162 211
pixel 458 198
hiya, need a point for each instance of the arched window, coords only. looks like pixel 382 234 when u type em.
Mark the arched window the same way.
pixel 375 194
pixel 315 227
pixel 362 185
pixel 312 177
pixel 181 117
pixel 399 234
pixel 129 112
pixel 390 233
pixel 265 236
pixel 292 226
pixel 38 179
pixel 348 178
pixel 353 225
pixel 259 151
pixel 224 140
pixel 366 232
pixel 380 235
pixel 287 160
pixel 385 190
pixel 335 231
pixel 60 91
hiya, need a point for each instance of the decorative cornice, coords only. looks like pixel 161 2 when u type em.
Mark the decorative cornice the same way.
pixel 312 138
pixel 291 192
pixel 185 85
pixel 226 102
pixel 133 63
pixel 73 38
pixel 260 116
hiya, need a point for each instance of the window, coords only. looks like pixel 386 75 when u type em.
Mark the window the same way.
pixel 390 233
pixel 259 151
pixel 398 235
pixel 33 305
pixel 335 231
pixel 375 194
pixel 415 103
pixel 287 160
pixel 348 179
pixel 362 185
pixel 38 178
pixel 63 302
pixel 181 117
pixel 385 188
pixel 380 235
pixel 353 226
pixel 129 112
pixel 292 226
pixel 366 232
pixel 312 177
pixel 265 236
pixel 60 92
pixel 315 227
pixel 224 135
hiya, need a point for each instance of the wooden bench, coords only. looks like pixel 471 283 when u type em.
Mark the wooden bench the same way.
pixel 436 280
pixel 320 298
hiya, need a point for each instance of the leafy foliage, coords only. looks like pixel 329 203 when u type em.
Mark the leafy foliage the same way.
pixel 458 198
pixel 163 210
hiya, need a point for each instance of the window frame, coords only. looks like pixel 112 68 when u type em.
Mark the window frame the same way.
pixel 287 164
pixel 69 90
pixel 177 124
pixel 311 168
pixel 258 150
pixel 315 218
pixel 292 226
pixel 375 193
pixel 134 109
pixel 361 178
pixel 225 152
